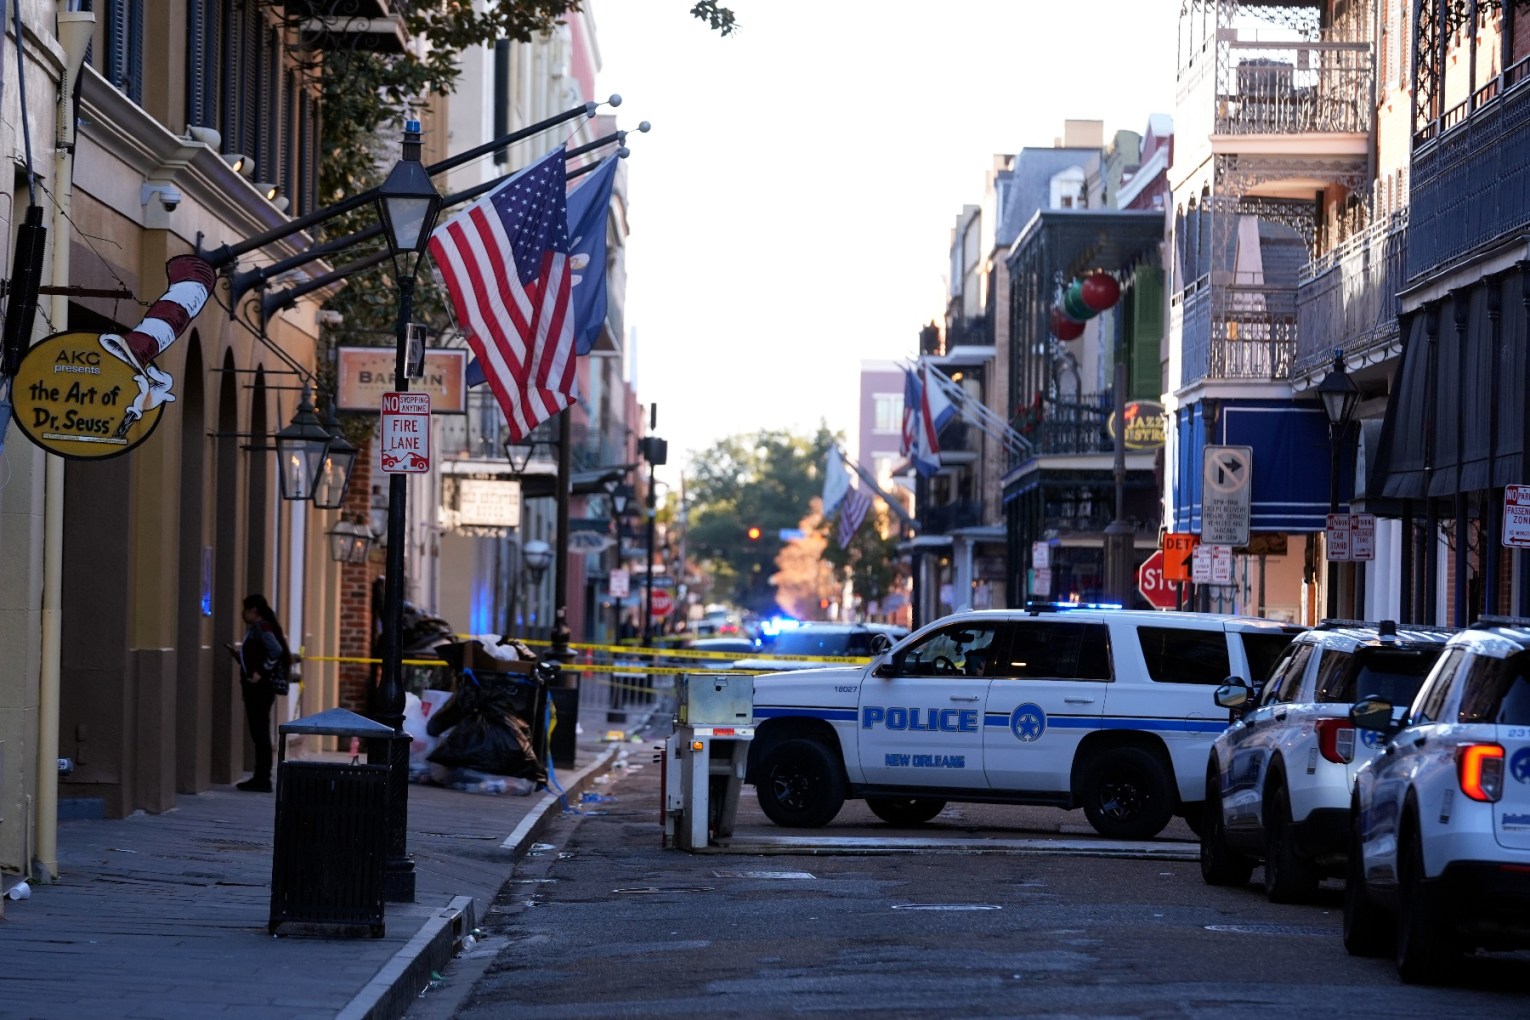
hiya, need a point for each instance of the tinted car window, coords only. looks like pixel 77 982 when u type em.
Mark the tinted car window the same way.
pixel 1184 656
pixel 1431 699
pixel 1395 674
pixel 818 642
pixel 1498 691
pixel 964 650
pixel 1286 684
pixel 1262 652
pixel 1069 651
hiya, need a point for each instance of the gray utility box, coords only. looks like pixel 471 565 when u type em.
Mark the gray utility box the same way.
pixel 715 699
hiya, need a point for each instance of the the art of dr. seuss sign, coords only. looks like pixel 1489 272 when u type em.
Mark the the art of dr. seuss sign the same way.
pixel 96 395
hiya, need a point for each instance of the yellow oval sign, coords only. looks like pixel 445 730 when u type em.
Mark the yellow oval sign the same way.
pixel 1144 425
pixel 72 398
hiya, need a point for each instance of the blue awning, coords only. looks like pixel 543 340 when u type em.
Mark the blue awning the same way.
pixel 1290 463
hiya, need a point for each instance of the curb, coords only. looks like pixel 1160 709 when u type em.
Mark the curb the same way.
pixel 393 990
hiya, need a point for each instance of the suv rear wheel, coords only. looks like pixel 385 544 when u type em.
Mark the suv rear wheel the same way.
pixel 801 784
pixel 1366 927
pixel 1220 864
pixel 1288 877
pixel 1126 794
pixel 905 810
pixel 1427 947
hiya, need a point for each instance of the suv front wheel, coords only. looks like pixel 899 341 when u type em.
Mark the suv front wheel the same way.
pixel 800 784
pixel 1126 794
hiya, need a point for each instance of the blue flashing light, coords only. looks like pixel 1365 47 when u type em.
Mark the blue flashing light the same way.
pixel 1035 605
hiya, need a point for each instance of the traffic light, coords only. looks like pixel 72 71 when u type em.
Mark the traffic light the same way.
pixel 753 533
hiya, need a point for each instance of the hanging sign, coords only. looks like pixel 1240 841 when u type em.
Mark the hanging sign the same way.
pixel 73 399
pixel 1144 425
pixel 403 440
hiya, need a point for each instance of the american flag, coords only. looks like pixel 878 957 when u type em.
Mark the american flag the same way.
pixel 518 322
pixel 852 513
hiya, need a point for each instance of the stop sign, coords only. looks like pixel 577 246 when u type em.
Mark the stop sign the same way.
pixel 1157 589
pixel 662 603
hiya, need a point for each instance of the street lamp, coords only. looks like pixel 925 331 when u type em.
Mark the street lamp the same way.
pixel 349 541
pixel 300 449
pixel 1339 395
pixel 407 204
pixel 336 465
pixel 537 555
pixel 655 451
pixel 519 452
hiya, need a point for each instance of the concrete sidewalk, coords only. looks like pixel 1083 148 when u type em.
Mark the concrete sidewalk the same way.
pixel 165 915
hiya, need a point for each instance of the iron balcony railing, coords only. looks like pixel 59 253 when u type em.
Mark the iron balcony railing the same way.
pixel 942 520
pixel 1347 299
pixel 1290 88
pixel 1236 331
pixel 1076 424
pixel 1471 174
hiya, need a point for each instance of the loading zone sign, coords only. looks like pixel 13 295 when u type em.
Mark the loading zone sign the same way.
pixel 1226 482
pixel 404 438
pixel 1516 516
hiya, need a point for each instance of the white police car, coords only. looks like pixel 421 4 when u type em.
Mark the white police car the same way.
pixel 1278 781
pixel 1103 709
pixel 1439 863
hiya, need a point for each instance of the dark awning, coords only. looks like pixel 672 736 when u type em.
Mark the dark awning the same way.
pixel 1455 420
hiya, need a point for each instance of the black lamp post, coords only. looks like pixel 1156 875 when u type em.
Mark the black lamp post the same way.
pixel 1339 395
pixel 407 204
pixel 656 452
pixel 300 448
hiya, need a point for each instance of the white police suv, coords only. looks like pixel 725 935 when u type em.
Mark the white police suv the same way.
pixel 1279 779
pixel 1439 863
pixel 1104 709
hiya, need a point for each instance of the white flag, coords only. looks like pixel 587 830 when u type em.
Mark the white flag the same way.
pixel 836 481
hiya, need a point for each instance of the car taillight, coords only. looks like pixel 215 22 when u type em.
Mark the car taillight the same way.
pixel 1480 769
pixel 1336 740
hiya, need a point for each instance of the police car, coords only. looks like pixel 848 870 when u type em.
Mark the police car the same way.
pixel 1439 863
pixel 1278 781
pixel 1104 709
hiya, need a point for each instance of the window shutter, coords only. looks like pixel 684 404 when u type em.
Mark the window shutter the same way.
pixel 134 74
pixel 501 97
pixel 1145 369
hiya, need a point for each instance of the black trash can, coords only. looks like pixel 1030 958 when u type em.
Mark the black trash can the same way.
pixel 331 834
pixel 565 706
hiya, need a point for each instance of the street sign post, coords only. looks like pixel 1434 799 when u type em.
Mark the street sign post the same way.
pixel 1152 583
pixel 1516 516
pixel 1226 483
pixel 1336 538
pixel 662 605
pixel 403 438
pixel 620 583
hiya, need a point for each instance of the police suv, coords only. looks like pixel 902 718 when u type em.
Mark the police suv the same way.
pixel 1439 863
pixel 1099 708
pixel 1278 781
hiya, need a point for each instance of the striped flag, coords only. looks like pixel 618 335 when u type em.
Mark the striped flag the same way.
pixel 852 513
pixel 504 261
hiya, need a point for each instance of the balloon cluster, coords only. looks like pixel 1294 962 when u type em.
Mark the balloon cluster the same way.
pixel 1082 301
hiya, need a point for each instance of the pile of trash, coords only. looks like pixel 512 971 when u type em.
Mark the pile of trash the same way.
pixel 480 738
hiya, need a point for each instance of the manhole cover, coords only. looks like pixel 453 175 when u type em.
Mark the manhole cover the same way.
pixel 947 906
pixel 1270 929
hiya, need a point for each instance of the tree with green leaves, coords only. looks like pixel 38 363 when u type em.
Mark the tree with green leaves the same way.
pixel 744 492
pixel 870 562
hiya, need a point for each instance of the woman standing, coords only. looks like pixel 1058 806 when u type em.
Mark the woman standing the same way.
pixel 263 659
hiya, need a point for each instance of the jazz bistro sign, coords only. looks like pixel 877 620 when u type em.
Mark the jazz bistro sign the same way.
pixel 71 398
pixel 1144 425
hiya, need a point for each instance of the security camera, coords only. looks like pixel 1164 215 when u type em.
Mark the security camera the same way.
pixel 168 195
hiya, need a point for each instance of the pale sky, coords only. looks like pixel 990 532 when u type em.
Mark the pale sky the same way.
pixel 791 209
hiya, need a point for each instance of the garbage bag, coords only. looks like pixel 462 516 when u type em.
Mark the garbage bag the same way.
pixel 481 729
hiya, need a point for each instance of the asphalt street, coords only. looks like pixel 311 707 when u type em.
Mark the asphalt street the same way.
pixel 604 921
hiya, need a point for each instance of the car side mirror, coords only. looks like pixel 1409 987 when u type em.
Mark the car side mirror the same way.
pixel 1235 695
pixel 1373 714
pixel 880 643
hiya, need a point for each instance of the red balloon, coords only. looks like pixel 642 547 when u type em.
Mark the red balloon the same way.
pixel 1065 328
pixel 1100 291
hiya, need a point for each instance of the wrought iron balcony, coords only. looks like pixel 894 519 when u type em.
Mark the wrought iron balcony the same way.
pixel 942 520
pixel 1075 426
pixel 1471 173
pixel 1279 88
pixel 1348 298
pixel 1235 331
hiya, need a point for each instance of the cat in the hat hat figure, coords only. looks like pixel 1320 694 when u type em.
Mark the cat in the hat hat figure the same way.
pixel 191 280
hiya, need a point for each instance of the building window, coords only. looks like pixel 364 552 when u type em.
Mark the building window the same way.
pixel 887 411
pixel 123 63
